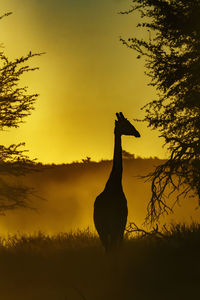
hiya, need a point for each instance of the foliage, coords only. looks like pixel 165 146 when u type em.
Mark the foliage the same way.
pixel 172 61
pixel 15 104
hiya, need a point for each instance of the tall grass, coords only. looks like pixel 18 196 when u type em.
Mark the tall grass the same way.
pixel 164 265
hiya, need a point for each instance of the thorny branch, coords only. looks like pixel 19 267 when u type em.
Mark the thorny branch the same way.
pixel 15 104
pixel 133 228
pixel 172 62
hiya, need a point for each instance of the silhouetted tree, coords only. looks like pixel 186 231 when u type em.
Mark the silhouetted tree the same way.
pixel 127 155
pixel 86 160
pixel 15 104
pixel 172 60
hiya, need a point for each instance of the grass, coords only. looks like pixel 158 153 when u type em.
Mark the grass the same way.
pixel 74 266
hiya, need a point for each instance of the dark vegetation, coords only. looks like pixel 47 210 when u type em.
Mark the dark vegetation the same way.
pixel 74 266
pixel 172 60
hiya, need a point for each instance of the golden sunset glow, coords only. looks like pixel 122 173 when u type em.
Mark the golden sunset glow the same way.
pixel 85 77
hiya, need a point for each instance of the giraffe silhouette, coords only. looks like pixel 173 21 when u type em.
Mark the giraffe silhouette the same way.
pixel 110 207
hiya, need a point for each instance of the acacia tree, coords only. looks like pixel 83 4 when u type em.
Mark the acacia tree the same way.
pixel 15 104
pixel 172 61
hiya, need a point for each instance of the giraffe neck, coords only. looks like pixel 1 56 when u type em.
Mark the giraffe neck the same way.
pixel 115 178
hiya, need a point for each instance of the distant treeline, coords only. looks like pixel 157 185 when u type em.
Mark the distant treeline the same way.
pixel 126 156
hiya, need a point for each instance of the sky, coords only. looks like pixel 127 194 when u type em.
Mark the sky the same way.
pixel 85 77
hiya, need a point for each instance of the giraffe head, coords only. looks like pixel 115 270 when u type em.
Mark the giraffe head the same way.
pixel 124 127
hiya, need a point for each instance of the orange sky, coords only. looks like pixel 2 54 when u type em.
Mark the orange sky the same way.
pixel 85 77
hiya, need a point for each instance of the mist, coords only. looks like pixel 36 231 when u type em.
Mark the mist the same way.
pixel 67 193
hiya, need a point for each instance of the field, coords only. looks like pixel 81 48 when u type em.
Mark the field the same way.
pixel 72 266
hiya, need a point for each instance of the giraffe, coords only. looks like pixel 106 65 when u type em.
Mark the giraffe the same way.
pixel 110 207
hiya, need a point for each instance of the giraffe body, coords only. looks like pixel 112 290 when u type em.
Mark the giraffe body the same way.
pixel 110 216
pixel 110 207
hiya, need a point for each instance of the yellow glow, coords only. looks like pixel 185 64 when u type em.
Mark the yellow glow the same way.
pixel 85 77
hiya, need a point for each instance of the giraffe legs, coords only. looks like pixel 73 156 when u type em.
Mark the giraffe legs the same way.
pixel 111 241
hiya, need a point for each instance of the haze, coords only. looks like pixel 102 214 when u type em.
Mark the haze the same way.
pixel 85 77
pixel 69 192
